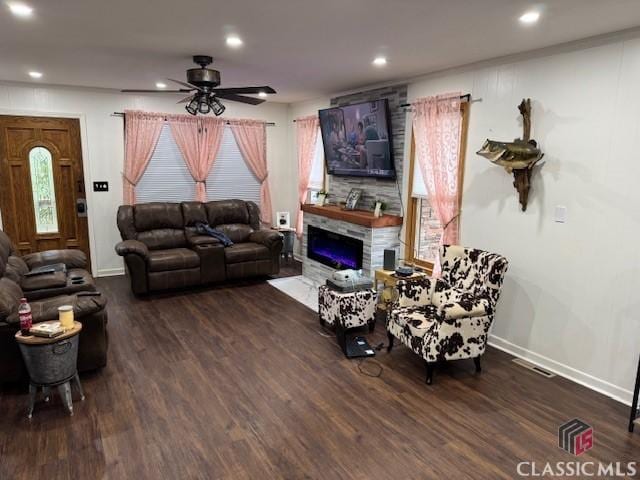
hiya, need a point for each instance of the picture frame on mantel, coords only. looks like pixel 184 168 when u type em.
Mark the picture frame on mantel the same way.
pixel 352 198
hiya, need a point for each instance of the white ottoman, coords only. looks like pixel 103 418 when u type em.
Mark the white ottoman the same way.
pixel 351 310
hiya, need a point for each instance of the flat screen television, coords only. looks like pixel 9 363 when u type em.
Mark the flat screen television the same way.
pixel 357 140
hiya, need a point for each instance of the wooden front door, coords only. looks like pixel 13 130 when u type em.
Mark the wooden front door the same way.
pixel 42 195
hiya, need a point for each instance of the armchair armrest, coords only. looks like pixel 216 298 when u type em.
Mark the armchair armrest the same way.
pixel 453 303
pixel 415 292
pixel 71 258
pixel 132 247
pixel 269 238
pixel 198 240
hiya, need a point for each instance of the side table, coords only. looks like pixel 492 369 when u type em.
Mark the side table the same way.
pixel 51 362
pixel 388 280
pixel 288 235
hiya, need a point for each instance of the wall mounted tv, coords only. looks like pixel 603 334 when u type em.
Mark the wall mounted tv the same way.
pixel 357 140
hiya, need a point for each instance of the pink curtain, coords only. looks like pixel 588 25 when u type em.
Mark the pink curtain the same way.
pixel 437 125
pixel 307 136
pixel 251 137
pixel 142 131
pixel 199 140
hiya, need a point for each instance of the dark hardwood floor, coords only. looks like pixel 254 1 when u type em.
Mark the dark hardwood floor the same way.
pixel 240 382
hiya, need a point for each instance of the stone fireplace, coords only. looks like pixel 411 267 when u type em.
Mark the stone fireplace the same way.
pixel 336 239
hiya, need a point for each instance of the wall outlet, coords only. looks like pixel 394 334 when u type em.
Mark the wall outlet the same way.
pixel 100 186
pixel 560 214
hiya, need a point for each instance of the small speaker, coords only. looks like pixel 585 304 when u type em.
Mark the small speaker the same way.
pixel 389 259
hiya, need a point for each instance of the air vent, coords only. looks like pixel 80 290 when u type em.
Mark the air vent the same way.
pixel 533 368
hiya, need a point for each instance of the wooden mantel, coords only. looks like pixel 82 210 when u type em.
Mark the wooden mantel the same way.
pixel 359 217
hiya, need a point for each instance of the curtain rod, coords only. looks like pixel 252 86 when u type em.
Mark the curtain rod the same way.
pixel 121 114
pixel 465 98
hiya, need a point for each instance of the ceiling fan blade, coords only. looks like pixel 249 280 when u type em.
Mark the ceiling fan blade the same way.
pixel 185 84
pixel 186 99
pixel 154 91
pixel 239 98
pixel 250 90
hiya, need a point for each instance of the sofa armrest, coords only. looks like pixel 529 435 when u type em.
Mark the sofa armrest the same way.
pixel 202 240
pixel 71 258
pixel 414 292
pixel 453 303
pixel 269 238
pixel 132 247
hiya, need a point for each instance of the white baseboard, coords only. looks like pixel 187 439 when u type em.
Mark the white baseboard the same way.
pixel 110 272
pixel 582 378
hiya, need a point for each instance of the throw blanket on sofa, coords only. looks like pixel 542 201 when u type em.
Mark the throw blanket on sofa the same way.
pixel 206 229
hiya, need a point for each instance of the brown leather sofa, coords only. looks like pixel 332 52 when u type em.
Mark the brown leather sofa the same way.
pixel 88 308
pixel 163 250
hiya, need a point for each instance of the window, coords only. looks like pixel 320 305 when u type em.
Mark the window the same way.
pixel 167 178
pixel 316 180
pixel 43 189
pixel 424 230
pixel 230 176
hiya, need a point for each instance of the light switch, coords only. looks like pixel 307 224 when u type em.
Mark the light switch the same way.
pixel 560 215
pixel 100 186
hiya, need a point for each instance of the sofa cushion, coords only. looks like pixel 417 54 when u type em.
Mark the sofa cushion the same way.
pixel 193 212
pixel 172 259
pixel 237 232
pixel 158 215
pixel 163 238
pixel 10 295
pixel 246 252
pixel 227 211
pixel 6 247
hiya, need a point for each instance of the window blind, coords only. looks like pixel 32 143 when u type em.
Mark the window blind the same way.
pixel 167 178
pixel 230 176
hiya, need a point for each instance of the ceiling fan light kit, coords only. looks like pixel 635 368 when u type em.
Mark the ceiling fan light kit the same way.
pixel 204 96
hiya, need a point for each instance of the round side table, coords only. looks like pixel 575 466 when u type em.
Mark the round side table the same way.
pixel 51 362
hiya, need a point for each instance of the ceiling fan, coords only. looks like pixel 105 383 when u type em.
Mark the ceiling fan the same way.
pixel 203 96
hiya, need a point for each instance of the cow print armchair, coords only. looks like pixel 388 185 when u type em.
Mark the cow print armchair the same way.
pixel 448 318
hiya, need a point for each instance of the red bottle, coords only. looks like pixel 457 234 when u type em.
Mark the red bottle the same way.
pixel 26 320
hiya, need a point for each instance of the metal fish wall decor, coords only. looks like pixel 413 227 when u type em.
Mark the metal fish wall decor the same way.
pixel 517 157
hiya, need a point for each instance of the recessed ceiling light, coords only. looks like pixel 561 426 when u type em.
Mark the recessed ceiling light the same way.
pixel 530 17
pixel 234 41
pixel 262 94
pixel 379 61
pixel 35 74
pixel 20 9
pixel 161 85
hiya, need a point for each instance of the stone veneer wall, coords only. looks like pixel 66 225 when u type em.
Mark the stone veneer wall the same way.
pixel 375 188
pixel 374 240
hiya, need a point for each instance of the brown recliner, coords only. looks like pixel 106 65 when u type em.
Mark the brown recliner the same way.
pixel 163 250
pixel 48 273
pixel 88 307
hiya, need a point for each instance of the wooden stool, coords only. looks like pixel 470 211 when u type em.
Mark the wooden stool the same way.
pixel 51 362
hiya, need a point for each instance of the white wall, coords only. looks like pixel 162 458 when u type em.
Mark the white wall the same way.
pixel 103 148
pixel 570 300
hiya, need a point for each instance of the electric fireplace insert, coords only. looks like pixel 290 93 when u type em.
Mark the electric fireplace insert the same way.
pixel 332 249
